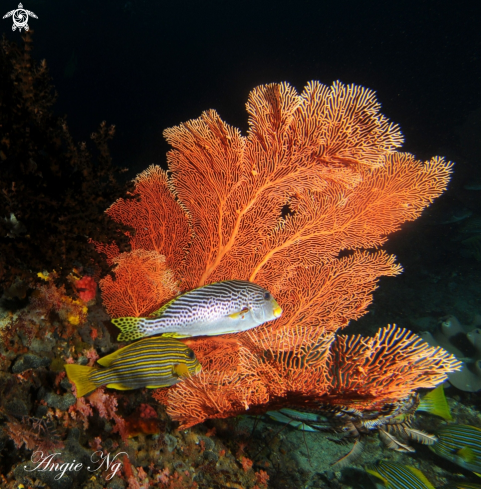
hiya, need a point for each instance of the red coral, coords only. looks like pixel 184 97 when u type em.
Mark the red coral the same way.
pixel 147 411
pixel 143 420
pixel 86 288
pixel 246 464
pixel 262 477
pixel 106 405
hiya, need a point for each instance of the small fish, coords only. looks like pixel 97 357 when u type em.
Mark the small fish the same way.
pixel 152 363
pixel 434 402
pixel 218 308
pixel 298 419
pixel 397 476
pixel 461 444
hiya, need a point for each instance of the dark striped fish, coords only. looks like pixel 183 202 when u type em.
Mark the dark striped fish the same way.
pixel 398 476
pixel 461 444
pixel 152 363
pixel 218 308
pixel 299 420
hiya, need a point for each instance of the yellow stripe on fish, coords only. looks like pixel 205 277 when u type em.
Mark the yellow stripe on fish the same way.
pixel 218 308
pixel 461 444
pixel 152 363
pixel 397 476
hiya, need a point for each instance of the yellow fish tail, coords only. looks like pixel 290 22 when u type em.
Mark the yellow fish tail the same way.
pixel 80 376
pixel 434 402
pixel 129 327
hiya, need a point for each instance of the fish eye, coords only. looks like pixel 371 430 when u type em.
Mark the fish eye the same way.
pixel 191 354
pixel 267 296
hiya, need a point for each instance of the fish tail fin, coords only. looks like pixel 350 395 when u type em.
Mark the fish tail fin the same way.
pixel 80 376
pixel 434 402
pixel 130 327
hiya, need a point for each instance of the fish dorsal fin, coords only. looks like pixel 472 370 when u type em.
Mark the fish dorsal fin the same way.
pixel 434 402
pixel 467 454
pixel 420 476
pixel 109 359
pixel 161 311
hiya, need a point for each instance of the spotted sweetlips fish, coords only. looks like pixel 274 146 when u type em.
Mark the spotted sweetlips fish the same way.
pixel 219 308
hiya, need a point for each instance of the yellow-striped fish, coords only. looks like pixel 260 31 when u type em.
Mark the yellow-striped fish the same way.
pixel 218 308
pixel 397 476
pixel 461 444
pixel 152 363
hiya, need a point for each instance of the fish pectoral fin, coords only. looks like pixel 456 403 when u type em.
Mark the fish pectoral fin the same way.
pixel 243 311
pixel 467 454
pixel 118 386
pixel 180 370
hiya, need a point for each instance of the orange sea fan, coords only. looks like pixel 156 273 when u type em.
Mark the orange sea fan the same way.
pixel 160 223
pixel 317 175
pixel 220 353
pixel 290 361
pixel 142 282
pixel 294 369
pixel 265 371
pixel 385 368
pixel 290 153
pixel 329 295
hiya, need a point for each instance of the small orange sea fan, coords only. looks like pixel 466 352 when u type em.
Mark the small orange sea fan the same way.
pixel 385 368
pixel 142 283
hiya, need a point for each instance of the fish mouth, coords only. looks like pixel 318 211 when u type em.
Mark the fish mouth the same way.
pixel 277 311
pixel 198 369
